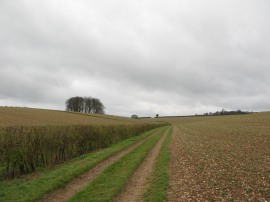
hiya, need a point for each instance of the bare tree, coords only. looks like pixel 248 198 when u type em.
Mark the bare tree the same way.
pixel 86 105
pixel 134 116
pixel 98 107
pixel 75 104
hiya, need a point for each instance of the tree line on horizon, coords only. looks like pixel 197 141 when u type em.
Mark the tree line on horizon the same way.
pixel 223 112
pixel 85 105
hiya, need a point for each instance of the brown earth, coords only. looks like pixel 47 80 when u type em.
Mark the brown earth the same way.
pixel 185 183
pixel 65 193
pixel 137 184
pixel 220 159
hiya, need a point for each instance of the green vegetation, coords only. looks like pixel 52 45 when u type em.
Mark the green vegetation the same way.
pixel 112 180
pixel 25 148
pixel 26 189
pixel 34 138
pixel 159 181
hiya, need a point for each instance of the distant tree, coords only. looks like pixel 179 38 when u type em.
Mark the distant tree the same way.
pixel 98 107
pixel 239 111
pixel 75 104
pixel 157 115
pixel 224 112
pixel 134 116
pixel 86 105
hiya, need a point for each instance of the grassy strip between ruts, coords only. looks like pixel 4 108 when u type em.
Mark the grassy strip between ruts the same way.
pixel 159 181
pixel 112 181
pixel 31 190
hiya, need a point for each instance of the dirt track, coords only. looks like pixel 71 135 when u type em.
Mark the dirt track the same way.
pixel 64 194
pixel 137 184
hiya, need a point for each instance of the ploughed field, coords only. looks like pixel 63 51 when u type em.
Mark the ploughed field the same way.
pixel 221 158
pixel 214 158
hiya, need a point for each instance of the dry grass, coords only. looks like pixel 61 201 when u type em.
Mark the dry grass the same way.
pixel 226 158
pixel 35 117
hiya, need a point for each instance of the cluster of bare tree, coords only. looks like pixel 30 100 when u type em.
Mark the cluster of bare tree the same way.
pixel 85 105
pixel 134 116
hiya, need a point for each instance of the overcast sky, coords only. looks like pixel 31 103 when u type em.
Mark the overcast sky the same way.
pixel 138 56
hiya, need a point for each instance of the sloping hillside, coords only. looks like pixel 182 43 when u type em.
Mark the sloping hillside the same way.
pixel 10 116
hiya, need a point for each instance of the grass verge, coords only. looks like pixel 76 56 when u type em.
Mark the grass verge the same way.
pixel 50 180
pixel 159 181
pixel 111 182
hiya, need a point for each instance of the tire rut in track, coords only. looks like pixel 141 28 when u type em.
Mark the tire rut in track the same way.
pixel 65 193
pixel 137 184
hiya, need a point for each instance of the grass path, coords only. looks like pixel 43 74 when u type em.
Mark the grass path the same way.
pixel 158 182
pixel 137 184
pixel 112 181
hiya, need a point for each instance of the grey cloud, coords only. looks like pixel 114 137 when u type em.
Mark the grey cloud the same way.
pixel 145 56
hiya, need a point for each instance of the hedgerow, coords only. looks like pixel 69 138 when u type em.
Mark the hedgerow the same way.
pixel 25 148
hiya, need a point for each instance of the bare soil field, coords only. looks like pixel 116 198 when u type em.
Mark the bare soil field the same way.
pixel 185 182
pixel 221 158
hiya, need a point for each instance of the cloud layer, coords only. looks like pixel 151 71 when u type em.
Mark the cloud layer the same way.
pixel 143 57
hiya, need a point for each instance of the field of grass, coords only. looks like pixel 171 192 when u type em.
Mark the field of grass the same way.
pixel 10 116
pixel 230 155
